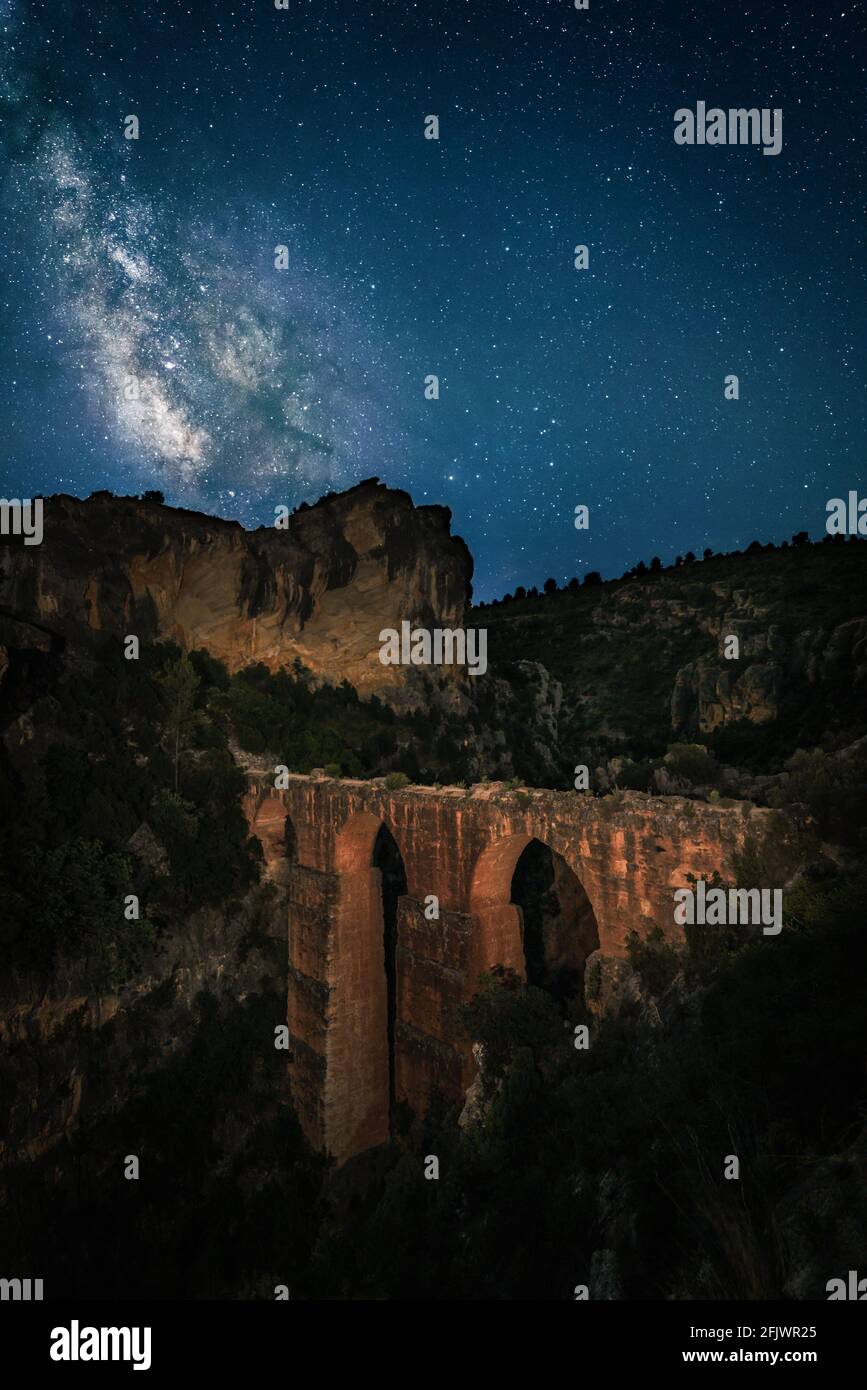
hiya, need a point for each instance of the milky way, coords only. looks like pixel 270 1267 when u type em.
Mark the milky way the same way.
pixel 149 341
pixel 222 378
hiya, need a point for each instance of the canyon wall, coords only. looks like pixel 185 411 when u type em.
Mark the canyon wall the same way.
pixel 320 590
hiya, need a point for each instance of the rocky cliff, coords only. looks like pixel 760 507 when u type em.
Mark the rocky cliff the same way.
pixel 648 658
pixel 320 590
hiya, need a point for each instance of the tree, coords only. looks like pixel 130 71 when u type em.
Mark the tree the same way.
pixel 689 558
pixel 180 687
pixel 592 578
pixel 153 495
pixel 550 586
pixel 655 565
pixel 520 592
pixel 708 553
pixel 508 1017
pixel 574 584
pixel 82 885
pixel 800 538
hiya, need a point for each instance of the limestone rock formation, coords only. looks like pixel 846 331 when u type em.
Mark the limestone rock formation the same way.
pixel 320 590
pixel 644 657
pixel 707 696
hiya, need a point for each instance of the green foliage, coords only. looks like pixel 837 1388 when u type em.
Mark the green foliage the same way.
pixel 654 958
pixel 637 776
pixel 694 763
pixel 286 715
pixel 508 1018
pixel 568 1152
pixel 709 946
pixel 79 913
pixel 834 790
pixel 395 780
pixel 617 648
pixel 231 1191
pixel 102 773
pixel 760 1043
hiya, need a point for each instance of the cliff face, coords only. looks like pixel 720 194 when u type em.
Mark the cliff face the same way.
pixel 67 1055
pixel 320 590
pixel 643 660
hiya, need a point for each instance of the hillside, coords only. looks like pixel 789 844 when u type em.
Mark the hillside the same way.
pixel 641 665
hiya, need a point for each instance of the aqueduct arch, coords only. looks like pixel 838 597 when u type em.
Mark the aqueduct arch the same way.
pixel 499 938
pixel 459 851
pixel 559 925
pixel 500 919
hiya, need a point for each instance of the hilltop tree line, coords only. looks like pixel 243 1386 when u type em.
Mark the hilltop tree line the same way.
pixel 593 578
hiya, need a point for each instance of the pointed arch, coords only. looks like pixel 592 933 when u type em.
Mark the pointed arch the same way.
pixel 533 914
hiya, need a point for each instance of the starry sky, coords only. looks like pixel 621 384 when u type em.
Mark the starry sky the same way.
pixel 148 341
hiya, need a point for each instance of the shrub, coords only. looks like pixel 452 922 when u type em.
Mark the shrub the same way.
pixel 395 780
pixel 637 777
pixel 833 790
pixel 506 1017
pixel 656 960
pixel 694 763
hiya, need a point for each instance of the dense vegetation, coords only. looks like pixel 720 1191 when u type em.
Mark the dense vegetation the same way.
pixel 579 1168
pixel 617 646
pixel 104 766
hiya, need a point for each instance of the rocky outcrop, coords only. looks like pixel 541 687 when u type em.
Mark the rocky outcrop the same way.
pixel 707 696
pixel 715 691
pixel 319 590
pixel 66 1052
pixel 646 656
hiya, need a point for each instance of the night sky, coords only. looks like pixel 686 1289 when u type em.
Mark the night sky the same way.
pixel 154 259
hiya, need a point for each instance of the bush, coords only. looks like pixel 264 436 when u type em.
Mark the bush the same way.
pixel 833 789
pixel 656 960
pixel 636 777
pixel 80 916
pixel 694 763
pixel 506 1017
pixel 395 780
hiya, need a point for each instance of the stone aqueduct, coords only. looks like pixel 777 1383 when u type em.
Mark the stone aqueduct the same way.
pixel 628 853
